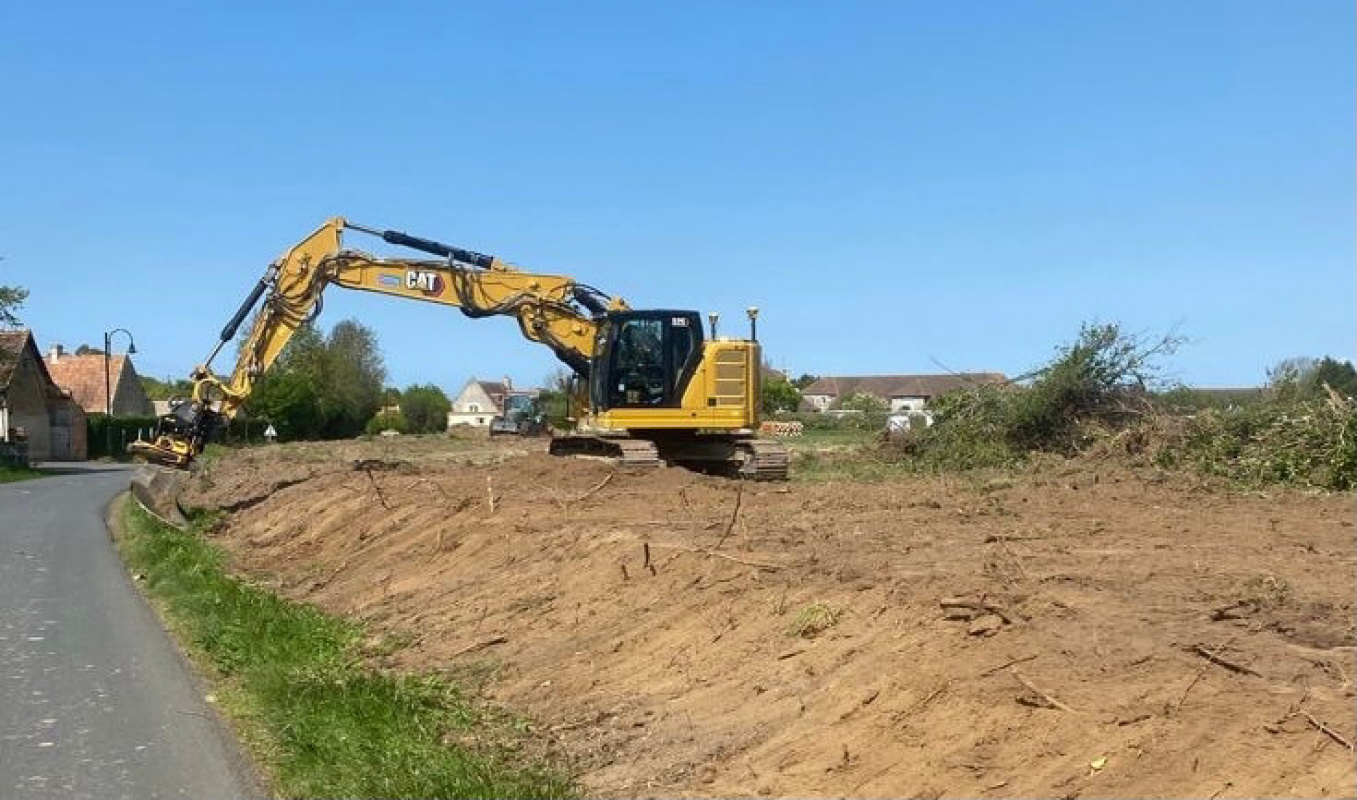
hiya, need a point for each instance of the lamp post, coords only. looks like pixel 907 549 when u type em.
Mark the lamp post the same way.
pixel 108 384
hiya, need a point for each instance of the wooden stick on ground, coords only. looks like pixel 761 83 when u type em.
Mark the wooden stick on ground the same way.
pixel 1200 671
pixel 479 645
pixel 595 488
pixel 1029 686
pixel 1221 662
pixel 1006 665
pixel 764 565
pixel 380 496
pixel 734 515
pixel 1325 729
pixel 490 493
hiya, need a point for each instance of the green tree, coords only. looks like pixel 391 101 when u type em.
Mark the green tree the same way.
pixel 1303 377
pixel 164 390
pixel 779 395
pixel 322 387
pixel 425 409
pixel 11 300
pixel 288 395
pixel 1340 376
pixel 805 380
pixel 352 382
pixel 864 402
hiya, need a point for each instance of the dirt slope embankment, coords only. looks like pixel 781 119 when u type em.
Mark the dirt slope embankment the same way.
pixel 684 635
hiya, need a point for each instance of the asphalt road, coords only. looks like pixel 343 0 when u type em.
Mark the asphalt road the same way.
pixel 94 699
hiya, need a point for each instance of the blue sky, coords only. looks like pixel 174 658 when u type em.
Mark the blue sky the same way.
pixel 898 185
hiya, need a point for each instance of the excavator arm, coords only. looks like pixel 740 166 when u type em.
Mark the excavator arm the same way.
pixel 551 309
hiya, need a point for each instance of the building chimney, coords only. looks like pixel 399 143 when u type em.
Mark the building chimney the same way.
pixel 54 353
pixel 508 384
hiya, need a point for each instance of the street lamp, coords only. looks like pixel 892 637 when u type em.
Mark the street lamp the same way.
pixel 108 383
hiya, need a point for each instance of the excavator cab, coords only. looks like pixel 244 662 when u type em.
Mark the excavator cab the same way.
pixel 645 359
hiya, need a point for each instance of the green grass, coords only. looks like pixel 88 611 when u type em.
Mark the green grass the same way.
pixel 830 438
pixel 295 681
pixel 11 474
pixel 856 464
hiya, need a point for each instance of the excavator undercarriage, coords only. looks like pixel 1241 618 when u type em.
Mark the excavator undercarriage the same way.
pixel 742 457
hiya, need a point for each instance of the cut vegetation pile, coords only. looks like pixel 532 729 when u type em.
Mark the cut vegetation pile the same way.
pixel 1069 628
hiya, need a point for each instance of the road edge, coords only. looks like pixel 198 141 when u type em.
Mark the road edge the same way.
pixel 246 769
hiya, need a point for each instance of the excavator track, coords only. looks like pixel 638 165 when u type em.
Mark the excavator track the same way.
pixel 742 458
pixel 765 460
pixel 627 452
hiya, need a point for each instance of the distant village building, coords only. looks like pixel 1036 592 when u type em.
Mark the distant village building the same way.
pixel 83 376
pixel 899 392
pixel 39 421
pixel 480 401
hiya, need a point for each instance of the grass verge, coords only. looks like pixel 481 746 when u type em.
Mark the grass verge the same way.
pixel 11 474
pixel 295 682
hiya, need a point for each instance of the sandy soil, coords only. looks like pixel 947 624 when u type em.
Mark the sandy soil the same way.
pixel 686 635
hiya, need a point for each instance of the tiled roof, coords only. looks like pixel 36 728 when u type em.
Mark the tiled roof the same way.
pixel 83 376
pixel 492 388
pixel 887 386
pixel 11 349
pixel 12 344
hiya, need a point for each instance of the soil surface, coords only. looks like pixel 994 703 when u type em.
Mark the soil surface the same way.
pixel 1077 629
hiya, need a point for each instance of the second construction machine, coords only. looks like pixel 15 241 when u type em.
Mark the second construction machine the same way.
pixel 651 388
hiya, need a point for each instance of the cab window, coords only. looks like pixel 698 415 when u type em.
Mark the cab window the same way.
pixel 639 375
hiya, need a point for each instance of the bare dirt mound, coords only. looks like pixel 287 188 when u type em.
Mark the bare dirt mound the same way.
pixel 1045 635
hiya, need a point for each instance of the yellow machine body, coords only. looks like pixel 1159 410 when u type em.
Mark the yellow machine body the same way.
pixel 719 395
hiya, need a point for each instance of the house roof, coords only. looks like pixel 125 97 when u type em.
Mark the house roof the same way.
pixel 12 344
pixel 11 348
pixel 84 377
pixel 887 386
pixel 493 388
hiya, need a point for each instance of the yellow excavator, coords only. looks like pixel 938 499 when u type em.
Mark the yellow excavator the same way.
pixel 650 388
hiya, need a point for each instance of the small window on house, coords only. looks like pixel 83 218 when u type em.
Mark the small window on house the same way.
pixel 480 420
pixel 474 408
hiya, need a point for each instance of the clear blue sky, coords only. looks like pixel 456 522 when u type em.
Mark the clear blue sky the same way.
pixel 896 184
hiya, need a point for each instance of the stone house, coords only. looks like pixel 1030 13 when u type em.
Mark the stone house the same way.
pixel 84 376
pixel 39 421
pixel 899 392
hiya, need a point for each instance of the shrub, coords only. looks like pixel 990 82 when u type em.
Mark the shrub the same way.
pixel 1101 380
pixel 424 409
pixel 779 395
pixel 387 421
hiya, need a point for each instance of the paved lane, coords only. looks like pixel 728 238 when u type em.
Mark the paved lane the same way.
pixel 94 700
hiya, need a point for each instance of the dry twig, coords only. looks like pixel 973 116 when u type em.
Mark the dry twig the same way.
pixel 1326 730
pixel 595 488
pixel 479 645
pixel 1050 701
pixel 1221 662
pixel 1006 665
pixel 734 515
pixel 377 488
pixel 763 565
